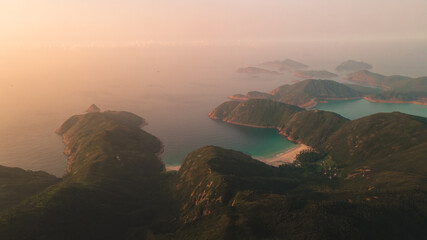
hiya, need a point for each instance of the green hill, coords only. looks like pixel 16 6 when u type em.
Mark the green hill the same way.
pixel 310 91
pixel 368 78
pixel 392 141
pixel 268 113
pixel 306 93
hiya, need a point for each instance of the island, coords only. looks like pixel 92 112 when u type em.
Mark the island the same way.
pixel 256 70
pixel 285 65
pixel 322 74
pixel 251 95
pixel 353 66
pixel 357 174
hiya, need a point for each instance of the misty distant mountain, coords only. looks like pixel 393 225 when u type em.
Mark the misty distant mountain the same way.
pixel 256 70
pixel 353 66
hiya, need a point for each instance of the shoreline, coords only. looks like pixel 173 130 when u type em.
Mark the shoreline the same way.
pixel 285 157
pixel 288 156
pixel 394 101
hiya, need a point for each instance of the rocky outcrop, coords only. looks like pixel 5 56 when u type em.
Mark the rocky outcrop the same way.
pixel 93 108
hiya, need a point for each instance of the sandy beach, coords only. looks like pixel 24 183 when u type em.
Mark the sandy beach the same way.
pixel 173 168
pixel 286 157
pixel 279 159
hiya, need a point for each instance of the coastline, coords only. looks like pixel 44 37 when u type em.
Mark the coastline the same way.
pixel 286 157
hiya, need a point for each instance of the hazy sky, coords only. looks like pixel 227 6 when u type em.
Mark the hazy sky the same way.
pixel 42 21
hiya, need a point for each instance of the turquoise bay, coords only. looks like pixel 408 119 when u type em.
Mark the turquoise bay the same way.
pixel 353 109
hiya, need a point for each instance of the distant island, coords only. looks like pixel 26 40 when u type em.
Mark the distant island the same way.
pixel 256 70
pixel 315 74
pixel 353 66
pixel 285 65
pixel 357 174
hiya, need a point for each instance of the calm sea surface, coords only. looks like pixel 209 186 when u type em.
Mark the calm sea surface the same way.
pixel 174 89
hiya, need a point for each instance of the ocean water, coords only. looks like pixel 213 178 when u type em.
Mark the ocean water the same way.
pixel 173 88
pixel 353 109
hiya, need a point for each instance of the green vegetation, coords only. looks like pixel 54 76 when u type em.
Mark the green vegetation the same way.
pixel 365 179
pixel 392 141
pixel 306 93
pixel 376 168
pixel 16 185
pixel 364 89
pixel 269 113
pixel 311 127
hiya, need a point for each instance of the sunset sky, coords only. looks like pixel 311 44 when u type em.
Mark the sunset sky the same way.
pixel 84 21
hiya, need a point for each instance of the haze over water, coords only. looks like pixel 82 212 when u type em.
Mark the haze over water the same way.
pixel 172 87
